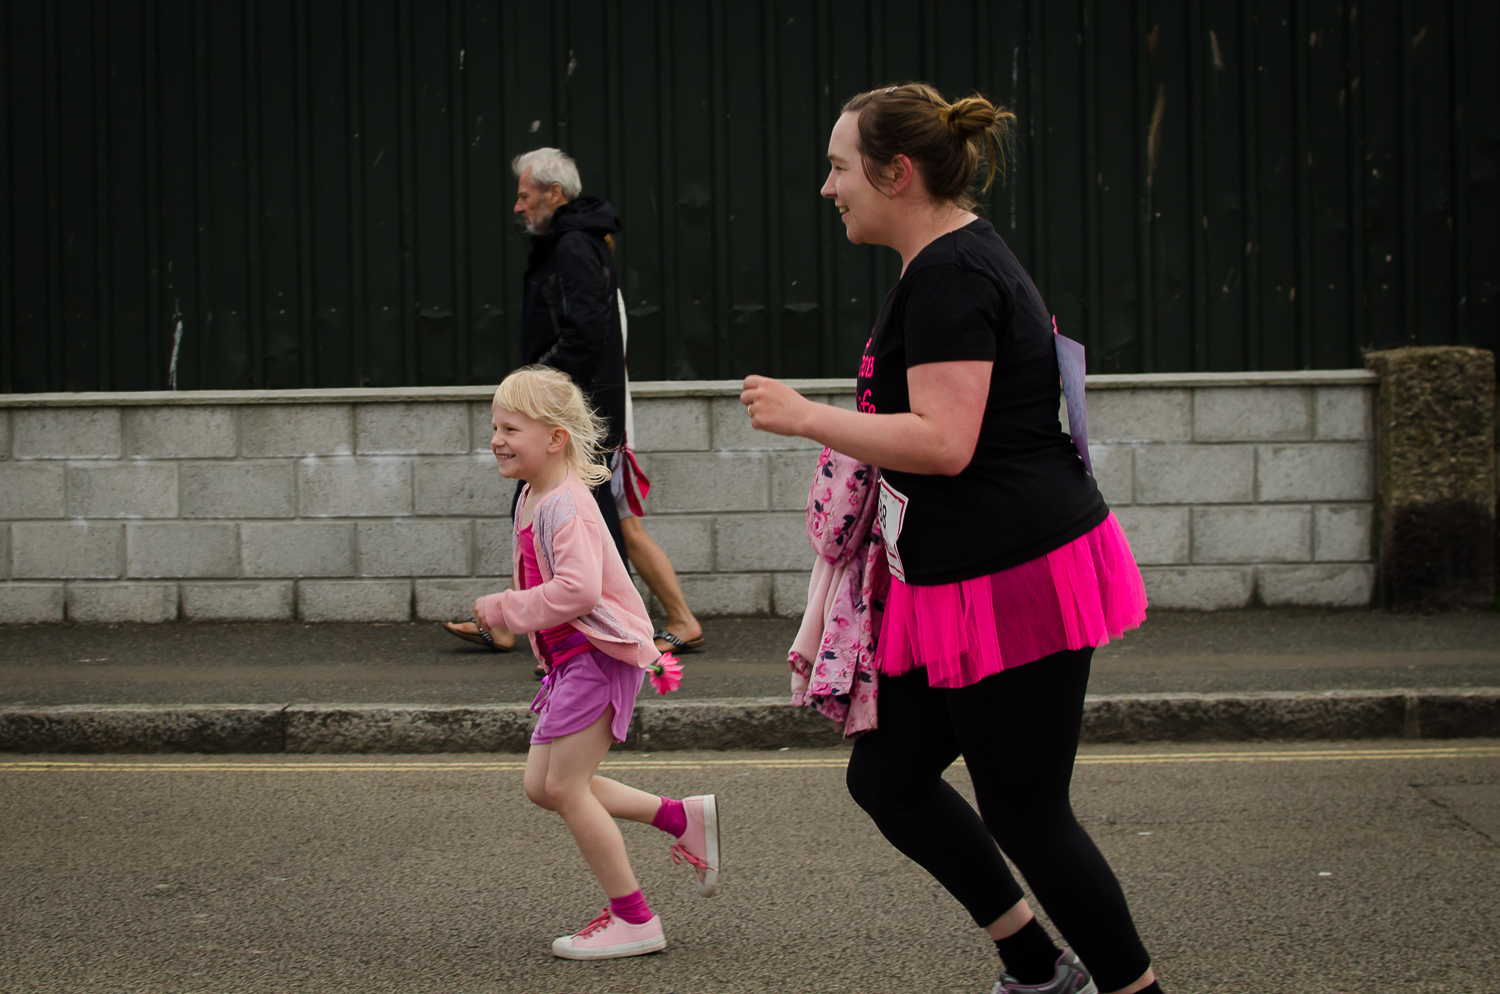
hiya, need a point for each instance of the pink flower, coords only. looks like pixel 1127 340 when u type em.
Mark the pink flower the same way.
pixel 666 674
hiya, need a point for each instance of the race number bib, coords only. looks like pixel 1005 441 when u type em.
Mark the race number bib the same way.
pixel 893 504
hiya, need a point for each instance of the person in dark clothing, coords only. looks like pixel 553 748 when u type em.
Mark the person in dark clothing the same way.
pixel 569 318
pixel 571 321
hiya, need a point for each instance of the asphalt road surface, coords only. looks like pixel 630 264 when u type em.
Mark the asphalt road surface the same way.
pixel 1369 867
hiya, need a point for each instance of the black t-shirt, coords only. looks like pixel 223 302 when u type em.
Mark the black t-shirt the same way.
pixel 1026 493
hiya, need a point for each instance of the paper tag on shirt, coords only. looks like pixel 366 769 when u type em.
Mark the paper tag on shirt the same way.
pixel 1071 366
pixel 893 504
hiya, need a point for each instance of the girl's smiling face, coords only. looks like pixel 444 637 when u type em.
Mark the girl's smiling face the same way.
pixel 525 447
pixel 863 207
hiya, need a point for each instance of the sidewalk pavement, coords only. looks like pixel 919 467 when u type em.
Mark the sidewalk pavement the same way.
pixel 1183 676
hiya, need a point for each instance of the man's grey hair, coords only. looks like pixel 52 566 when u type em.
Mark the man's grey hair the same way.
pixel 548 166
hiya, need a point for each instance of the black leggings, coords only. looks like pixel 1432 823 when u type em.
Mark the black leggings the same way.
pixel 1018 733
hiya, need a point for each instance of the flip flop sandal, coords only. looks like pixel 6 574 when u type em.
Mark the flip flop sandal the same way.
pixel 681 645
pixel 481 637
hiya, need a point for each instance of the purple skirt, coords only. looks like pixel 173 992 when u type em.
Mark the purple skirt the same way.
pixel 574 695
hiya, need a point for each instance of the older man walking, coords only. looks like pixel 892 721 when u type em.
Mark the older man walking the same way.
pixel 570 320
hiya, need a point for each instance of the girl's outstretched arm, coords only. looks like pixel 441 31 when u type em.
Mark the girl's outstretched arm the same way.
pixel 937 437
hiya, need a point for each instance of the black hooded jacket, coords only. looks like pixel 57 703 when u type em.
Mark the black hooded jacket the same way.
pixel 569 316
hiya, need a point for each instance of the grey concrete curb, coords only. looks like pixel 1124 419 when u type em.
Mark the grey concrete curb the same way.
pixel 754 723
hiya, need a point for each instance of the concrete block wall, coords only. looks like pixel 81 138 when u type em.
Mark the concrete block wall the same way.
pixel 320 505
pixel 377 505
pixel 1241 489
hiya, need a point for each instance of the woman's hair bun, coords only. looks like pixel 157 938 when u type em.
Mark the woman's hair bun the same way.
pixel 970 116
pixel 915 121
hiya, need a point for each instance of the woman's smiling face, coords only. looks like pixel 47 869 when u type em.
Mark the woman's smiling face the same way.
pixel 863 207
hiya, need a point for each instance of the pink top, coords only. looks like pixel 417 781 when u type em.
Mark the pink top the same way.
pixel 584 584
pixel 560 642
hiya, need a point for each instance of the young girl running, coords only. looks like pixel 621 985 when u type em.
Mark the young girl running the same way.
pixel 589 627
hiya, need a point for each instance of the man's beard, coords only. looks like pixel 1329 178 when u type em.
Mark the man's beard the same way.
pixel 540 225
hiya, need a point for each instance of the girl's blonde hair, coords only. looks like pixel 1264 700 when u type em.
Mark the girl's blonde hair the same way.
pixel 551 397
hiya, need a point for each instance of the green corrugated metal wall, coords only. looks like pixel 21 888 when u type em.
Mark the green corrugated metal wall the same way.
pixel 319 193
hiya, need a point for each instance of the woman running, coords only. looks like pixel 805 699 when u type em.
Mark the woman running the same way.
pixel 1007 566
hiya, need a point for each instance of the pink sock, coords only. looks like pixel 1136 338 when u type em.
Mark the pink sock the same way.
pixel 631 908
pixel 671 817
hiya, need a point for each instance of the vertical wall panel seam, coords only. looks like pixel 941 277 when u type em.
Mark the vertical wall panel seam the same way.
pixel 1196 101
pixel 1092 334
pixel 823 75
pixel 928 9
pixel 984 82
pixel 614 72
pixel 562 103
pixel 719 82
pixel 355 199
pixel 672 349
pixel 458 202
pixel 509 306
pixel 1459 206
pixel 104 344
pixel 406 146
pixel 255 308
pixel 773 189
pixel 1408 175
pixel 303 101
pixel 1358 307
pixel 157 355
pixel 7 232
pixel 1250 181
pixel 1037 146
pixel 52 67
pixel 875 46
pixel 1302 99
pixel 1146 310
pixel 204 348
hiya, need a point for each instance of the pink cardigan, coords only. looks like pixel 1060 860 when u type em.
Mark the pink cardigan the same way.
pixel 584 583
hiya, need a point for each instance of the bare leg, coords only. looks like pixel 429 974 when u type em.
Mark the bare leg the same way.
pixel 565 770
pixel 623 801
pixel 504 637
pixel 1011 922
pixel 1020 913
pixel 656 569
pixel 620 800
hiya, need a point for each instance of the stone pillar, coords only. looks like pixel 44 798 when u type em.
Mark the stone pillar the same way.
pixel 1435 502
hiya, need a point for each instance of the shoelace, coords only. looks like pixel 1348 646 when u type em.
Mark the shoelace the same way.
pixel 681 854
pixel 598 923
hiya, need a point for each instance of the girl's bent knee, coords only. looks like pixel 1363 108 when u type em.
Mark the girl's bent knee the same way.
pixel 560 797
pixel 538 796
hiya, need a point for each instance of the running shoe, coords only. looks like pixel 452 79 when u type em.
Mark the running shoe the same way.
pixel 699 846
pixel 608 937
pixel 1069 978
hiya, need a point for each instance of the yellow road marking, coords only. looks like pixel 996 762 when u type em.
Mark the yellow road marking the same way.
pixel 770 762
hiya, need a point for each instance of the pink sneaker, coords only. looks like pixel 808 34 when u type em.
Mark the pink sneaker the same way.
pixel 699 847
pixel 608 937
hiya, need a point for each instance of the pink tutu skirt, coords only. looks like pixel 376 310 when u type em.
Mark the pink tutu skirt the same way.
pixel 1075 597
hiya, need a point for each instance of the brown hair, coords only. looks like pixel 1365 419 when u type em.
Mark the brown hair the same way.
pixel 945 141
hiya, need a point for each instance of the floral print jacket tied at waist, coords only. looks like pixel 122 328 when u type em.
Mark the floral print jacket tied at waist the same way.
pixel 833 656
